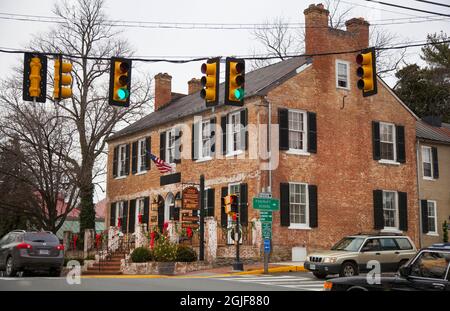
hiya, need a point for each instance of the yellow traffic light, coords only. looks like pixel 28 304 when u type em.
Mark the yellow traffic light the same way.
pixel 210 81
pixel 62 79
pixel 231 203
pixel 367 72
pixel 120 78
pixel 35 77
pixel 234 82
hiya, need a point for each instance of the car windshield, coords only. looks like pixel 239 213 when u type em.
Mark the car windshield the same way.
pixel 40 237
pixel 348 244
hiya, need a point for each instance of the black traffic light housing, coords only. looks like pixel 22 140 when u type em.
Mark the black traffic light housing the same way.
pixel 120 82
pixel 234 82
pixel 210 81
pixel 35 76
pixel 367 72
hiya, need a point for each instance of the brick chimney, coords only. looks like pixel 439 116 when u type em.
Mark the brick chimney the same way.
pixel 360 29
pixel 194 85
pixel 316 23
pixel 163 90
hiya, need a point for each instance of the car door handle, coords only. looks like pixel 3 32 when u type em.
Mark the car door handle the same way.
pixel 397 253
pixel 377 253
pixel 438 286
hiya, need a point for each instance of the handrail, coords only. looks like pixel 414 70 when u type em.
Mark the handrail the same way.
pixel 122 244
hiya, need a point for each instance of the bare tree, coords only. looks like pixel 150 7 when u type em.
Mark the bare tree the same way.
pixel 88 36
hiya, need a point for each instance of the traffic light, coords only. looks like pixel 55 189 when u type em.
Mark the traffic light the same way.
pixel 35 77
pixel 234 82
pixel 119 82
pixel 62 79
pixel 367 72
pixel 210 81
pixel 231 203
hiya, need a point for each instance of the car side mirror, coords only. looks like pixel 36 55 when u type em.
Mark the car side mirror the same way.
pixel 405 271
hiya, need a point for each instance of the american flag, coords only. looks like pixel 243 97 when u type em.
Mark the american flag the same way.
pixel 162 166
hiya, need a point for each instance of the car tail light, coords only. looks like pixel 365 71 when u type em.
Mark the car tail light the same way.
pixel 23 246
pixel 60 247
pixel 327 286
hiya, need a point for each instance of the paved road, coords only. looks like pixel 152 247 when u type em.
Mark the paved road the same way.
pixel 277 282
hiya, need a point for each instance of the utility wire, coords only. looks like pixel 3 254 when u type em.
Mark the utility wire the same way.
pixel 188 60
pixel 408 8
pixel 434 3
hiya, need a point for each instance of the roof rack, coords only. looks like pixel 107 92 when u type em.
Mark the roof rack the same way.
pixel 19 230
pixel 379 233
pixel 440 245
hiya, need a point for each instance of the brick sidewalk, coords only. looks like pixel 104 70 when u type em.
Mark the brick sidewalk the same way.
pixel 229 269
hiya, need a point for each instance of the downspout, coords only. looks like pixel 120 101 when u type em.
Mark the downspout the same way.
pixel 269 142
pixel 418 192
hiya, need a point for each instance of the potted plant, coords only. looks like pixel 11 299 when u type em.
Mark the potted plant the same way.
pixel 165 253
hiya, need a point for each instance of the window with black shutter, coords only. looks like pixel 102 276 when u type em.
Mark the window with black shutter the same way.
pixel 212 123
pixel 312 132
pixel 162 146
pixel 178 145
pixel 403 211
pixel 243 200
pixel 424 210
pixel 145 216
pixel 195 142
pixel 112 216
pixel 223 215
pixel 132 217
pixel 283 123
pixel 134 157
pixel 400 136
pixel 284 205
pixel 244 130
pixel 125 217
pixel 115 161
pixel 313 206
pixel 148 151
pixel 434 153
pixel 378 209
pixel 127 159
pixel 223 124
pixel 210 202
pixel 376 140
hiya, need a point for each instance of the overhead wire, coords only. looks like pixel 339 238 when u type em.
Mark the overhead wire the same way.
pixel 408 8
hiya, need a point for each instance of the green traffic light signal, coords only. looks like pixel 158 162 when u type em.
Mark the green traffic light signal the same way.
pixel 123 93
pixel 239 93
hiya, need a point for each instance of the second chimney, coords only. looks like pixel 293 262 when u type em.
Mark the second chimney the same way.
pixel 360 29
pixel 163 90
pixel 194 85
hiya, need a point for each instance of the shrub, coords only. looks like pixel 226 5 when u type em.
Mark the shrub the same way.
pixel 141 254
pixel 186 254
pixel 164 250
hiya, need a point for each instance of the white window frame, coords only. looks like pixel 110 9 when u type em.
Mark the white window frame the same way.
pixel 230 134
pixel 140 202
pixel 304 150
pixel 229 218
pixel 396 220
pixel 299 225
pixel 347 64
pixel 169 134
pixel 141 156
pixel 431 163
pixel 121 162
pixel 434 203
pixel 205 125
pixel 119 211
pixel 394 143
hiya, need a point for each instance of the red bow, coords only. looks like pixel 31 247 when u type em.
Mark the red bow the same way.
pixel 119 222
pixel 75 238
pixel 152 239
pixel 98 239
pixel 189 232
pixel 140 218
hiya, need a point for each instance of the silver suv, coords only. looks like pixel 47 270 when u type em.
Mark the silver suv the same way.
pixel 351 255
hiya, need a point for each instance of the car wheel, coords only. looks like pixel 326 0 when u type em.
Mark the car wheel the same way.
pixel 320 275
pixel 10 269
pixel 348 269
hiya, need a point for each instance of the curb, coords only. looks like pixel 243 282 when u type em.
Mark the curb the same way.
pixel 273 270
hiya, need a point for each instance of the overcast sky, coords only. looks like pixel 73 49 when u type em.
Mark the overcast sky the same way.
pixel 182 42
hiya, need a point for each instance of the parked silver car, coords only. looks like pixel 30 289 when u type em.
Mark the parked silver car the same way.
pixel 31 251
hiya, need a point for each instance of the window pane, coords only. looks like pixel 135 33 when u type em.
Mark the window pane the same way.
pixel 403 243
pixel 387 151
pixel 430 265
pixel 389 209
pixel 427 169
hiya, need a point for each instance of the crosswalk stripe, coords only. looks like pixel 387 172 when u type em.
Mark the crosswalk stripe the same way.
pixel 294 282
pixel 254 278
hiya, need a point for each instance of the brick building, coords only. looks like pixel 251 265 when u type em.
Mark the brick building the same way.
pixel 340 164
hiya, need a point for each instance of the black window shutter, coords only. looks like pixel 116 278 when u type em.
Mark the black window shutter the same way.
pixel 172 212
pixel 313 210
pixel 284 205
pixel 134 155
pixel 403 211
pixel 212 123
pixel 424 210
pixel 312 132
pixel 243 200
pixel 195 134
pixel 178 145
pixel 400 135
pixel 176 214
pixel 223 215
pixel 283 123
pixel 132 219
pixel 112 216
pixel 223 123
pixel 376 140
pixel 125 217
pixel 161 217
pixel 244 132
pixel 162 146
pixel 148 151
pixel 434 154
pixel 211 197
pixel 145 217
pixel 127 159
pixel 115 161
pixel 378 209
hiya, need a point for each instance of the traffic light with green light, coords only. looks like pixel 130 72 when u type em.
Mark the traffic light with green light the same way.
pixel 119 83
pixel 234 82
pixel 62 80
pixel 210 81
pixel 367 72
pixel 35 77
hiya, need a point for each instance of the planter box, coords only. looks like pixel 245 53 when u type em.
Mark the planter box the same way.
pixel 155 267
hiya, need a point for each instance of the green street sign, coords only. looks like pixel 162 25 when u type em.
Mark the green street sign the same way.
pixel 265 216
pixel 266 230
pixel 266 204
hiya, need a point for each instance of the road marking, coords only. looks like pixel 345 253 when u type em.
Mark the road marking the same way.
pixel 301 283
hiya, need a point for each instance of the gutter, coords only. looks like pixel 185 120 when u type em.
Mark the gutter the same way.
pixel 418 192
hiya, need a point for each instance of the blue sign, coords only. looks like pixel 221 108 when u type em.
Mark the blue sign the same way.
pixel 266 245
